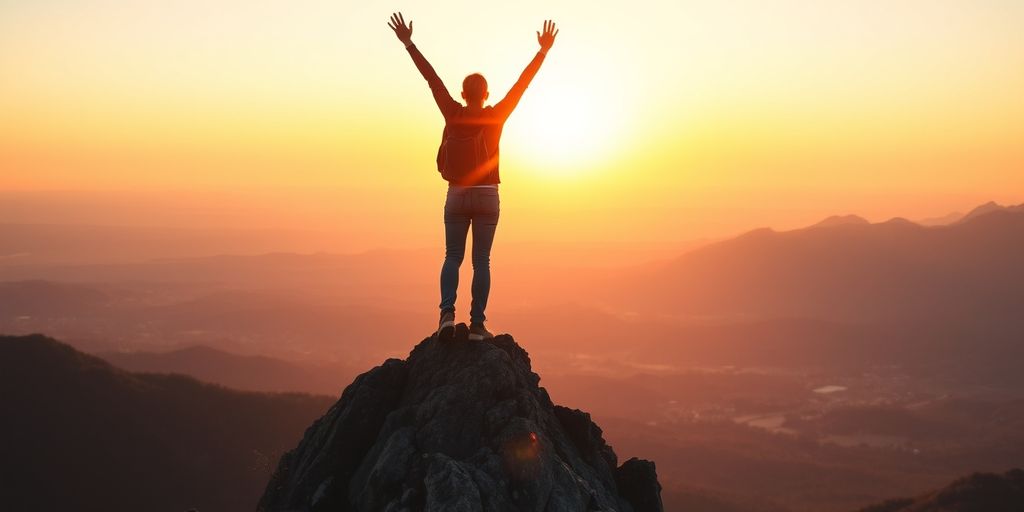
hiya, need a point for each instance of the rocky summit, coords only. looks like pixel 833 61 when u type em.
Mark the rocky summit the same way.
pixel 457 426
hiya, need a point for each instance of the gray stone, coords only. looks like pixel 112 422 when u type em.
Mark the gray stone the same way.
pixel 457 426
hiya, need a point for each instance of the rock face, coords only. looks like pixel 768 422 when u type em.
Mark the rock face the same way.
pixel 458 426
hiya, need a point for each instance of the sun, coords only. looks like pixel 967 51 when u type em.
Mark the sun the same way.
pixel 557 129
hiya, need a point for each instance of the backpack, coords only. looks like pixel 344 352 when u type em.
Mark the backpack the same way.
pixel 463 150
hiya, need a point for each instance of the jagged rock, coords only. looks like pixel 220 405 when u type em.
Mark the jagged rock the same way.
pixel 458 426
pixel 638 483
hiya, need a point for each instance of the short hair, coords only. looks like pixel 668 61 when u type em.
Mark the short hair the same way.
pixel 475 86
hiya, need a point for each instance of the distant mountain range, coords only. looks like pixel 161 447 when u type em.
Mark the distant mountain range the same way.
pixel 82 435
pixel 834 291
pixel 990 207
pixel 954 217
pixel 841 220
pixel 847 269
pixel 79 434
pixel 980 492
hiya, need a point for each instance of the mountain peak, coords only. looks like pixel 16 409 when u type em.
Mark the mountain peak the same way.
pixel 899 221
pixel 984 209
pixel 841 220
pixel 457 425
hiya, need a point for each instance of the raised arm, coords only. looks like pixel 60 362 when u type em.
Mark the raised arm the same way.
pixel 546 40
pixel 442 97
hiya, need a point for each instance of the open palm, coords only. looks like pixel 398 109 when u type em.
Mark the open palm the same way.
pixel 547 39
pixel 402 31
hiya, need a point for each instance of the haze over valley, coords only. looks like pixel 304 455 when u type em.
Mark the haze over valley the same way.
pixel 823 368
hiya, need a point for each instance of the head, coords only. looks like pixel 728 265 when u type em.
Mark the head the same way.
pixel 474 89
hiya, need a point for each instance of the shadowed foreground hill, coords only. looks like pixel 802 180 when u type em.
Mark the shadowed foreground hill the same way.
pixel 79 434
pixel 462 426
pixel 980 492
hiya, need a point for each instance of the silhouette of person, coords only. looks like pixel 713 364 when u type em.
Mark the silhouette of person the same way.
pixel 468 160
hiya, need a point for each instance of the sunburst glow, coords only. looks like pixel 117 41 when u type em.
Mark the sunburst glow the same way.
pixel 563 129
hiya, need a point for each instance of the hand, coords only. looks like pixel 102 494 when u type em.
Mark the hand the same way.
pixel 403 32
pixel 546 39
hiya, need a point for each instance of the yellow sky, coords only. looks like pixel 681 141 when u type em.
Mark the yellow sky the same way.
pixel 648 121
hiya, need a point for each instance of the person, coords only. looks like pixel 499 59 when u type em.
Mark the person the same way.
pixel 468 160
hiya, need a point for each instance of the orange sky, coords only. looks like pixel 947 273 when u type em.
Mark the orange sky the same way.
pixel 650 121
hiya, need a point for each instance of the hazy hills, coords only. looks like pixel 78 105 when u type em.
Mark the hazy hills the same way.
pixel 954 217
pixel 843 291
pixel 843 268
pixel 250 373
pixel 841 220
pixel 990 207
pixel 800 472
pixel 80 434
pixel 192 444
pixel 853 271
pixel 710 357
pixel 35 243
pixel 980 492
pixel 49 299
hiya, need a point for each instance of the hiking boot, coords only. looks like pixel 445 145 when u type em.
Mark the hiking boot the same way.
pixel 477 332
pixel 446 327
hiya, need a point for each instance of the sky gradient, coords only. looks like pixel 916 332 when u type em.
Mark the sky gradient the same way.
pixel 650 121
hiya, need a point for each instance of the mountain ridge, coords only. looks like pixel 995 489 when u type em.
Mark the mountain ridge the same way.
pixel 841 272
pixel 988 208
pixel 841 220
pixel 237 371
pixel 981 492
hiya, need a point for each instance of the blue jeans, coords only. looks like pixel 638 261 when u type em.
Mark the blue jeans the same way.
pixel 465 207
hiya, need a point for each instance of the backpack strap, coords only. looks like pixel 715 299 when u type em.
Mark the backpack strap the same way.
pixel 441 149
